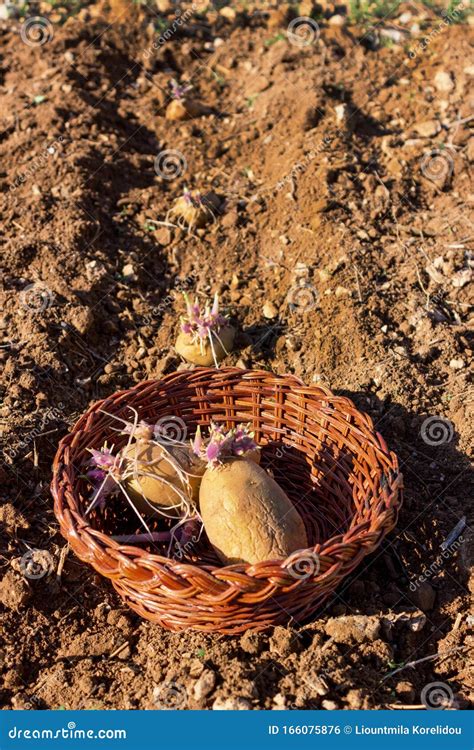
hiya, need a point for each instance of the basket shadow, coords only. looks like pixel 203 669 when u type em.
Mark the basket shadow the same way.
pixel 421 561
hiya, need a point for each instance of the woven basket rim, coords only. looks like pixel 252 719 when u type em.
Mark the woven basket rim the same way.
pixel 338 542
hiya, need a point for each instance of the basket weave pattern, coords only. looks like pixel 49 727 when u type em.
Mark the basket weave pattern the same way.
pixel 325 454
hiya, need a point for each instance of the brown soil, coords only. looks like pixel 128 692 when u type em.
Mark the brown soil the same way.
pixel 364 253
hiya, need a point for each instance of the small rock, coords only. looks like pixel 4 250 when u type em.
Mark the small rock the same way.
pixel 231 704
pixel 162 236
pixel 269 310
pixel 228 13
pixel 443 81
pixel 341 291
pixel 230 219
pixel 353 627
pixel 164 6
pixel 305 9
pixel 329 705
pixel 205 684
pixel 8 10
pixel 252 643
pixel 457 364
pixel 281 641
pixel 279 702
pixel 340 110
pixel 337 20
pixel 14 591
pixel 428 128
pixel 278 17
pixel 425 596
pixel 405 691
pixel 469 71
pixel 417 623
pixel 128 272
pixel 11 519
pixel 82 319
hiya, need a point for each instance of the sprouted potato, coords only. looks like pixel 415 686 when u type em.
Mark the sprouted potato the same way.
pixel 247 516
pixel 156 482
pixel 176 470
pixel 206 336
pixel 214 480
pixel 181 106
pixel 193 210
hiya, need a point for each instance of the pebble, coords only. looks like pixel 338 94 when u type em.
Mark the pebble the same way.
pixel 353 627
pixel 231 704
pixel 228 13
pixel 425 596
pixel 279 700
pixel 457 364
pixel 205 684
pixel 428 128
pixel 164 6
pixel 443 82
pixel 269 310
pixel 128 272
pixel 341 291
pixel 337 20
pixel 8 11
pixel 340 110
pixel 329 705
pixel 163 236
pixel 405 691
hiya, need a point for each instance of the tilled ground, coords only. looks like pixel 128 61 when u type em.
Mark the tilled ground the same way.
pixel 343 252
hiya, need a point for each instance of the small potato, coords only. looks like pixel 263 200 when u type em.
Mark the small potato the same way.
pixel 184 109
pixel 247 516
pixel 191 350
pixel 152 487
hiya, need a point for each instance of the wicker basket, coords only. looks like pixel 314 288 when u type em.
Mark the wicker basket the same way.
pixel 324 453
